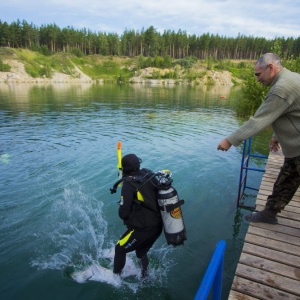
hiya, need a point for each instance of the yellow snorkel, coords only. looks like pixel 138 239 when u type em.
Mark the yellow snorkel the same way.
pixel 119 154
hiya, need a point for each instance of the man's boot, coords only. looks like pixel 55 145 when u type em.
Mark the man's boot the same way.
pixel 264 216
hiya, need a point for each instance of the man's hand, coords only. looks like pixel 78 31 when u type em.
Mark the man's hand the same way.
pixel 224 145
pixel 274 144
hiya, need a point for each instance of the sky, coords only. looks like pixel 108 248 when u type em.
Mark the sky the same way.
pixel 230 18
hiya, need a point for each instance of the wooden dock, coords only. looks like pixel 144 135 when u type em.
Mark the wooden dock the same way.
pixel 269 266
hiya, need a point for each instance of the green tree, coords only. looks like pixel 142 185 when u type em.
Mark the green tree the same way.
pixel 277 47
pixel 148 43
pixel 158 62
pixel 128 44
pixel 113 44
pixel 28 34
pixel 15 34
pixel 151 42
pixel 253 94
pixel 167 62
pixel 103 44
pixel 4 34
pixel 140 61
pixel 53 35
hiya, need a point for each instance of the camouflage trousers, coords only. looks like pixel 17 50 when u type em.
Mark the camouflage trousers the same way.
pixel 286 184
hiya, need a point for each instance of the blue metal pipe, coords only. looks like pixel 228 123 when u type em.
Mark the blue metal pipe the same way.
pixel 213 275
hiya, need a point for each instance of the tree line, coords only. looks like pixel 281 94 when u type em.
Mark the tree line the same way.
pixel 146 42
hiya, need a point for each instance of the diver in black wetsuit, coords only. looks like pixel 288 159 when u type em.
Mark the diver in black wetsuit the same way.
pixel 140 213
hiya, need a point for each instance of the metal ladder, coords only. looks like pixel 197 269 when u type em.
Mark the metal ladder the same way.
pixel 244 172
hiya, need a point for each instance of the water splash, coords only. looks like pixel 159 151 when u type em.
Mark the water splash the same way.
pixel 159 267
pixel 76 242
pixel 74 232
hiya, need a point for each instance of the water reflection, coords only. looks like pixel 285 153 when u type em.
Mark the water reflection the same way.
pixel 23 96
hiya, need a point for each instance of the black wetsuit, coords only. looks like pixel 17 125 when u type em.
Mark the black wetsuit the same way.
pixel 142 218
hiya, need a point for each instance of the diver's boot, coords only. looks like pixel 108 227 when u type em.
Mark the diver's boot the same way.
pixel 264 216
pixel 144 262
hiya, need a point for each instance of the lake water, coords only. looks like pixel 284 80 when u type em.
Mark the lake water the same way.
pixel 58 160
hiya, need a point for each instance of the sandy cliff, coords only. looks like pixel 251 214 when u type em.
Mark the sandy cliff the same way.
pixel 17 74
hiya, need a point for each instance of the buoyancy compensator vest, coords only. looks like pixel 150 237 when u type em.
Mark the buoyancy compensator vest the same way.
pixel 146 189
pixel 167 202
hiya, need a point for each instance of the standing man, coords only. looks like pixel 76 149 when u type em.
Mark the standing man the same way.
pixel 281 110
pixel 140 213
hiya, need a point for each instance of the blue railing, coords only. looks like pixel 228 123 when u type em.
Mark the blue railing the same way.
pixel 244 171
pixel 213 275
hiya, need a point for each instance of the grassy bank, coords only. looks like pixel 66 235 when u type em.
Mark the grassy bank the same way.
pixel 97 67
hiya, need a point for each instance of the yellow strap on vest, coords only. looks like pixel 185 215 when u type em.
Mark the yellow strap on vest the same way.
pixel 140 196
pixel 125 239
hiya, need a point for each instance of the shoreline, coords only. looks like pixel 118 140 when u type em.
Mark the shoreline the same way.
pixel 19 75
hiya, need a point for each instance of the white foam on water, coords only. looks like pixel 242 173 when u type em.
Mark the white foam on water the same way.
pixel 98 273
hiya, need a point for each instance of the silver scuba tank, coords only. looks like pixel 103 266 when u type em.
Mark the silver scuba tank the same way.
pixel 171 213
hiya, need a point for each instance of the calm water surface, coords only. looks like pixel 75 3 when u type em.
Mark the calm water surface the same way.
pixel 58 160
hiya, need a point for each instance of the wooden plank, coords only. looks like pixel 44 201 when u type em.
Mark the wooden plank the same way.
pixel 278 228
pixel 275 255
pixel 260 291
pixel 270 265
pixel 271 171
pixel 266 185
pixel 272 244
pixel 274 235
pixel 290 223
pixel 266 278
pixel 234 295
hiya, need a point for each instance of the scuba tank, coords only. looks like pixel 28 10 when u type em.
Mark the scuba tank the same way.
pixel 169 205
